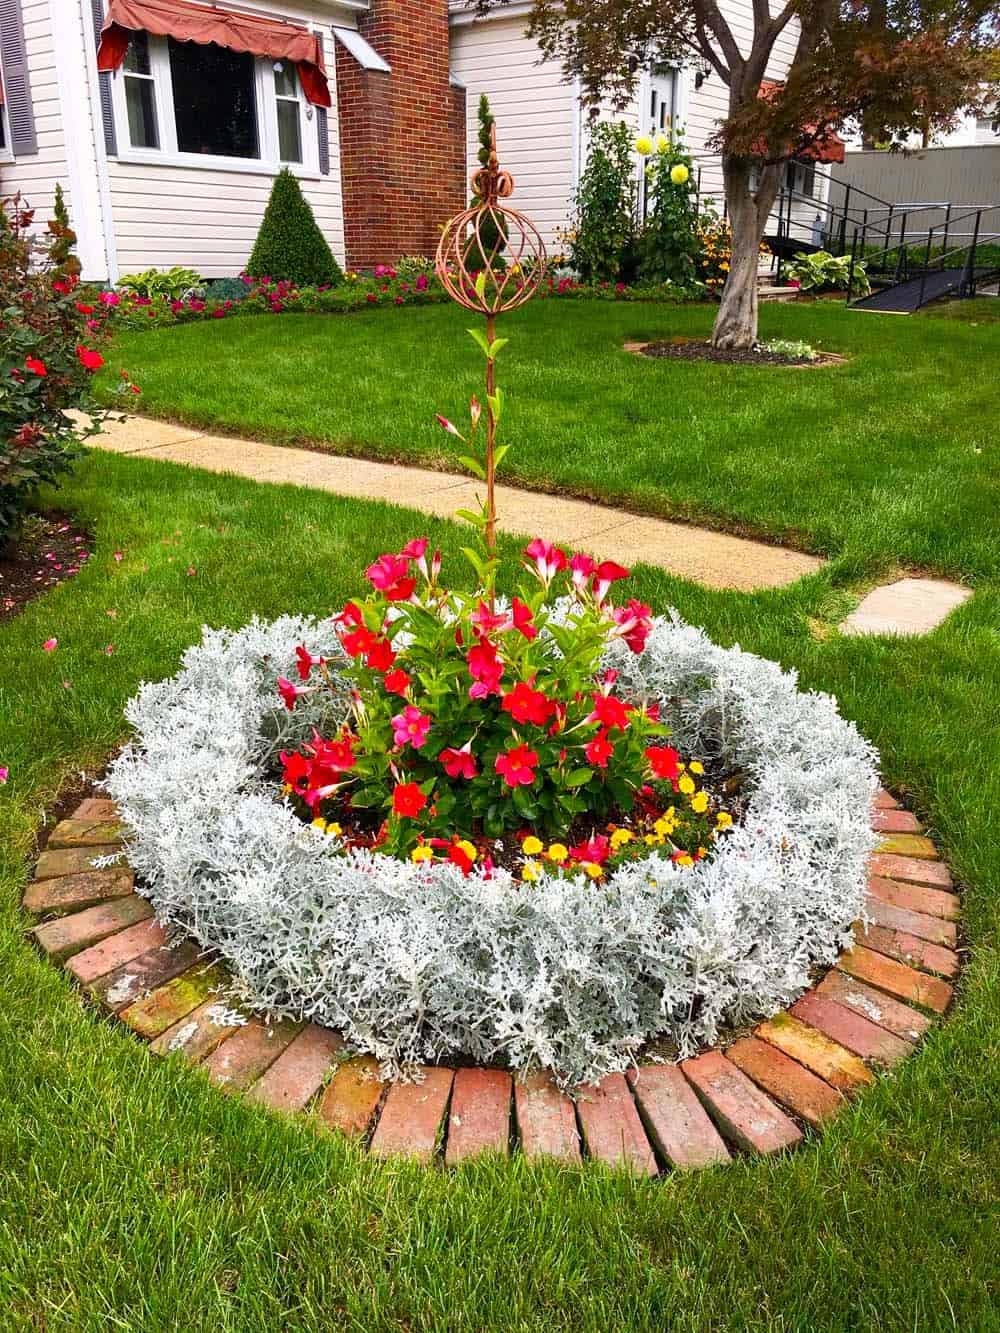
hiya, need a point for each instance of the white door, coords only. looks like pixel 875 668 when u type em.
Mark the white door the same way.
pixel 656 119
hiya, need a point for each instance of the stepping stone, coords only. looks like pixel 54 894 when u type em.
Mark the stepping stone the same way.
pixel 910 949
pixel 72 893
pixel 479 1120
pixel 165 1007
pixel 86 833
pixel 611 1128
pixel 831 1061
pixel 117 949
pixel 70 935
pixel 908 606
pixel 134 980
pixel 744 1114
pixel 199 1033
pixel 896 978
pixel 912 870
pixel 237 1062
pixel 351 1098
pixel 70 861
pixel 896 821
pixel 850 1029
pixel 803 1093
pixel 412 1116
pixel 546 1120
pixel 922 925
pixel 915 897
pixel 879 1008
pixel 96 807
pixel 298 1073
pixel 675 1119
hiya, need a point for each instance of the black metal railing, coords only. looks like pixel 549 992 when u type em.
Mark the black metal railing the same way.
pixel 905 265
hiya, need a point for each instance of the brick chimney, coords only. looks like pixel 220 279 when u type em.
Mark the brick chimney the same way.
pixel 402 134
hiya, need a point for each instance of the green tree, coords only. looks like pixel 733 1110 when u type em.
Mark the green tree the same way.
pixel 290 245
pixel 64 262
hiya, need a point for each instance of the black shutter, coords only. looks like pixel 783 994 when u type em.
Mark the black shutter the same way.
pixel 104 86
pixel 17 86
pixel 323 135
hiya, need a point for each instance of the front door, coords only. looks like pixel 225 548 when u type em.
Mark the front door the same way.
pixel 656 117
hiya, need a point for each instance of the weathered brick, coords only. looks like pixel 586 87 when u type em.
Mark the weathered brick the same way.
pixel 611 1127
pixel 412 1116
pixel 896 978
pixel 74 893
pixel 479 1119
pixel 245 1055
pixel 96 807
pixel 893 1015
pixel 925 927
pixel 132 981
pixel 352 1096
pixel 69 861
pixel 546 1120
pixel 908 845
pixel 896 821
pixel 86 833
pixel 915 897
pixel 68 935
pixel 885 801
pixel 935 874
pixel 298 1073
pixel 805 1094
pixel 199 1033
pixel 910 949
pixel 677 1123
pixel 745 1115
pixel 116 949
pixel 854 1032
pixel 839 1067
pixel 164 1007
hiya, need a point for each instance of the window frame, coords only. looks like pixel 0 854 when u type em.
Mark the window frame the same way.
pixel 7 147
pixel 168 154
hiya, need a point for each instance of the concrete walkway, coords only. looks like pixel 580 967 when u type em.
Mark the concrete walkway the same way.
pixel 712 558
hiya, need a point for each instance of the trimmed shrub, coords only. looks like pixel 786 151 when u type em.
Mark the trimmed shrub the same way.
pixel 601 246
pixel 289 244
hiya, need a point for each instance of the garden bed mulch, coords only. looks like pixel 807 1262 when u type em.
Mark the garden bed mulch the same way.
pixel 49 548
pixel 766 1092
pixel 694 349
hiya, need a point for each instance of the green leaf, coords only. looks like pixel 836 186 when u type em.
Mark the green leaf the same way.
pixel 473 466
pixel 481 284
pixel 474 560
pixel 480 338
pixel 498 457
pixel 495 347
pixel 578 777
pixel 471 516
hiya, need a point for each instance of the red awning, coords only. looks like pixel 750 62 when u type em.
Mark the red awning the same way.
pixel 827 147
pixel 200 23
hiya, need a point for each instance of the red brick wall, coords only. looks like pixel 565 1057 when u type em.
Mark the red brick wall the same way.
pixel 402 135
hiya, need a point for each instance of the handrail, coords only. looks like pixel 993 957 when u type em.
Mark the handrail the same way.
pixel 943 261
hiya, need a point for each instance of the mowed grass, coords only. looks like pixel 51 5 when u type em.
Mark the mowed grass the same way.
pixel 890 458
pixel 135 1197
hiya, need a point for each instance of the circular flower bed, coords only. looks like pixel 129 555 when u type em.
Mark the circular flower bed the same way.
pixel 424 960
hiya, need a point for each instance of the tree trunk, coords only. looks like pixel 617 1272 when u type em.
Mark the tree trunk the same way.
pixel 736 322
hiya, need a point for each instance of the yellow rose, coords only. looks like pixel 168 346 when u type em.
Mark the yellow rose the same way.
pixel 662 143
pixel 644 145
pixel 679 174
pixel 421 854
pixel 531 846
pixel 557 853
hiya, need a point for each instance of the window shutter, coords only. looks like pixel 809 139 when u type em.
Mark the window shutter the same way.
pixel 104 86
pixel 17 87
pixel 324 140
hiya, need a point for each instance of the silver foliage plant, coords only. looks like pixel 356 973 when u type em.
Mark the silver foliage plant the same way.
pixel 415 963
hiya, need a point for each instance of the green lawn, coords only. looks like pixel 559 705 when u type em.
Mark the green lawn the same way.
pixel 891 457
pixel 135 1197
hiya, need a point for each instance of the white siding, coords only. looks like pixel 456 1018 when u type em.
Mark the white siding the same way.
pixel 537 115
pixel 36 176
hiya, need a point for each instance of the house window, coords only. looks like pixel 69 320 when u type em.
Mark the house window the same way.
pixel 189 101
pixel 800 178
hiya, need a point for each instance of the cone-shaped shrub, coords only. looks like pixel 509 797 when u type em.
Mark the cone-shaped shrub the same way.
pixel 289 244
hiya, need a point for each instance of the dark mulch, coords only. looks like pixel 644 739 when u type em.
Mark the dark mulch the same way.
pixel 49 548
pixel 692 350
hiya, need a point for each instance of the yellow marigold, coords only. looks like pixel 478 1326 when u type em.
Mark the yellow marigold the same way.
pixel 679 174
pixel 592 869
pixel 696 767
pixel 644 145
pixel 557 853
pixel 530 871
pixel 531 846
pixel 686 785
pixel 664 826
pixel 334 830
pixel 699 802
pixel 723 819
pixel 468 848
pixel 319 824
pixel 685 860
pixel 620 837
pixel 652 840
pixel 421 854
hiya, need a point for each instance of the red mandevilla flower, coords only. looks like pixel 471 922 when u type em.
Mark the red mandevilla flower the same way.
pixel 599 750
pixel 380 656
pixel 527 705
pixel 458 763
pixel 606 573
pixel 517 766
pixel 358 641
pixel 664 762
pixel 410 727
pixel 548 559
pixel 290 692
pixel 522 616
pixel 390 575
pixel 596 849
pixel 633 623
pixel 408 800
pixel 397 682
pixel 305 661
pixel 485 668
pixel 609 712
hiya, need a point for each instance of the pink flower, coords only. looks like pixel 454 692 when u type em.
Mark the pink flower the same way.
pixel 421 283
pixel 548 559
pixel 486 621
pixel 109 650
pixel 459 763
pixel 517 766
pixel 410 727
pixel 581 567
pixel 475 411
pixel 633 624
pixel 290 693
pixel 446 425
pixel 119 556
pixel 414 550
pixel 50 645
pixel 4 774
pixel 110 298
pixel 485 668
pixel 606 573
pixel 389 575
pixel 596 849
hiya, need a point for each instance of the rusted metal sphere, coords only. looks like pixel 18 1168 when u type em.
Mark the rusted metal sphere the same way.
pixel 509 267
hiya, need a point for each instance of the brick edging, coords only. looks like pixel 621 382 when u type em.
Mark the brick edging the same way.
pixel 765 1092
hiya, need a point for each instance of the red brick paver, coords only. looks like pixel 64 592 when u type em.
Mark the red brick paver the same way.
pixel 850 1029
pixel 896 978
pixel 896 821
pixel 164 1007
pixel 68 935
pixel 546 1120
pixel 134 980
pixel 831 1061
pixel 934 874
pixel 75 893
pixel 117 949
pixel 677 1123
pixel 885 801
pixel 612 1130
pixel 412 1116
pixel 479 1120
pixel 910 845
pixel 805 1094
pixel 910 949
pixel 70 861
pixel 924 926
pixel 96 807
pixel 199 1033
pixel 914 897
pixel 352 1096
pixel 86 833
pixel 248 1052
pixel 298 1073
pixel 898 1018
pixel 745 1115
